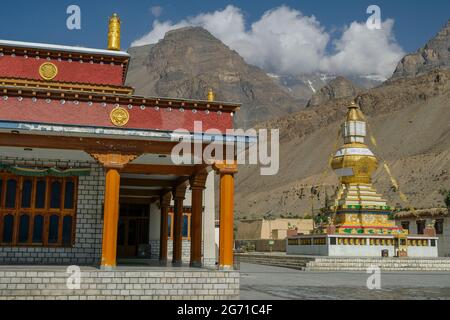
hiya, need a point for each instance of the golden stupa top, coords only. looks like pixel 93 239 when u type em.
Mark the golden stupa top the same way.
pixel 354 113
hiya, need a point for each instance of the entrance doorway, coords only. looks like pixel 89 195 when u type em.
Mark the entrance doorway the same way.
pixel 133 229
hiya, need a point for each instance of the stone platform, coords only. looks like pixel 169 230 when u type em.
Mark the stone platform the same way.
pixel 316 263
pixel 124 283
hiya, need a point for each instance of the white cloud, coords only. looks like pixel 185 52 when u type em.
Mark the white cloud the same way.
pixel 284 41
pixel 156 11
pixel 364 51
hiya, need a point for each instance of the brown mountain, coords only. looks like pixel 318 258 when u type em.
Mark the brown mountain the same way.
pixel 410 120
pixel 409 115
pixel 337 88
pixel 189 61
pixel 434 55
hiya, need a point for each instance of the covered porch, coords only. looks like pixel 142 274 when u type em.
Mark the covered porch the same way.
pixel 124 172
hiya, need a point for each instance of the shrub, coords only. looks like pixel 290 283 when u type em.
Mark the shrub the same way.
pixel 446 194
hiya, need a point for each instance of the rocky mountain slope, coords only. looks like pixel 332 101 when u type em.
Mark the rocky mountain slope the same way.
pixel 337 88
pixel 434 55
pixel 189 61
pixel 409 115
pixel 304 86
pixel 410 119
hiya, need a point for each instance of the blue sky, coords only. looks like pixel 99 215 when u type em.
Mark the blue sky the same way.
pixel 45 21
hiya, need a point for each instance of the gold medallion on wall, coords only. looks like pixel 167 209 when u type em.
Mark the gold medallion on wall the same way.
pixel 119 117
pixel 48 71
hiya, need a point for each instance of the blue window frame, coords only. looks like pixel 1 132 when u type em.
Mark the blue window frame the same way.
pixel 185 230
pixel 185 225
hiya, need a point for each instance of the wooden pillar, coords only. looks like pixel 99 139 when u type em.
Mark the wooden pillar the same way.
pixel 111 218
pixel 112 163
pixel 165 203
pixel 226 170
pixel 179 194
pixel 197 183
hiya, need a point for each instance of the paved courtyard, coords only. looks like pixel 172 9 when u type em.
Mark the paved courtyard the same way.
pixel 265 282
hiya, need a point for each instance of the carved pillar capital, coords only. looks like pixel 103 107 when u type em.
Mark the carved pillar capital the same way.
pixel 113 160
pixel 198 181
pixel 225 167
pixel 166 198
pixel 179 192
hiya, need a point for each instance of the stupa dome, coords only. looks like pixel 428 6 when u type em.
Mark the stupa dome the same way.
pixel 354 162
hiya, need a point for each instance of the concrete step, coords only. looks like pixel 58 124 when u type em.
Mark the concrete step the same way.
pixel 382 269
pixel 276 262
pixel 347 264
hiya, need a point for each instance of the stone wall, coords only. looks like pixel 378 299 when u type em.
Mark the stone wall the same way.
pixel 88 240
pixel 49 283
pixel 185 246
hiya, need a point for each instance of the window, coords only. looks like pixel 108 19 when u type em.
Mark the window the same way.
pixel 37 211
pixel 185 225
pixel 439 226
pixel 420 226
pixel 405 225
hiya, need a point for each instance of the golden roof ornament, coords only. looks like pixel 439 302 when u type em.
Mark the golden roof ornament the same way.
pixel 48 71
pixel 211 95
pixel 354 113
pixel 114 33
pixel 119 116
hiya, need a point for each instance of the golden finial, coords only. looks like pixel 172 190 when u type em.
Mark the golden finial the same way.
pixel 114 33
pixel 211 96
pixel 354 112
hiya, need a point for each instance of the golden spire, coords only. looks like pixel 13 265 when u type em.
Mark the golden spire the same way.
pixel 354 113
pixel 114 33
pixel 211 96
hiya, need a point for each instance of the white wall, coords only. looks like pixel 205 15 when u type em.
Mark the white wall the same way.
pixel 357 250
pixel 209 244
pixel 155 222
pixel 444 239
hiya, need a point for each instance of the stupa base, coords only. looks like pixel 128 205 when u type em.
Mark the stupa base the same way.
pixel 338 245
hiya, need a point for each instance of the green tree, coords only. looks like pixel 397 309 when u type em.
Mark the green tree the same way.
pixel 446 194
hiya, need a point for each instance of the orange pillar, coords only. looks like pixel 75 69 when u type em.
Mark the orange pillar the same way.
pixel 165 202
pixel 111 218
pixel 178 195
pixel 226 237
pixel 112 163
pixel 197 186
